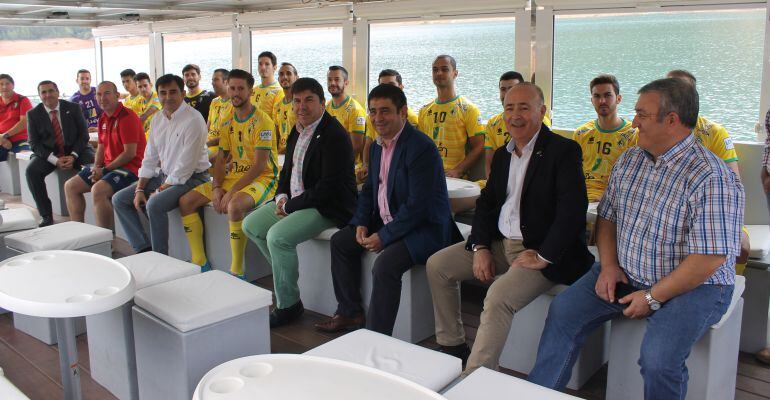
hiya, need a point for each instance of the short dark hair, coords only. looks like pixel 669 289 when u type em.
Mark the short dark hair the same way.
pixel 169 79
pixel 539 91
pixel 128 72
pixel 390 72
pixel 394 93
pixel 47 83
pixel 83 71
pixel 241 74
pixel 605 79
pixel 507 76
pixel 451 59
pixel 270 55
pixel 682 74
pixel 309 84
pixel 339 68
pixel 225 73
pixel 114 86
pixel 293 68
pixel 8 78
pixel 141 76
pixel 191 66
pixel 677 96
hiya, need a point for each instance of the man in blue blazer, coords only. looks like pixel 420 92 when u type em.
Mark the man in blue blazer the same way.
pixel 403 214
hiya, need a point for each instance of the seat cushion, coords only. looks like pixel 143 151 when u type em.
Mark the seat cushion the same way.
pixel 16 219
pixel 327 234
pixel 487 384
pixel 64 236
pixel 151 268
pixel 203 299
pixel 425 367
pixel 759 237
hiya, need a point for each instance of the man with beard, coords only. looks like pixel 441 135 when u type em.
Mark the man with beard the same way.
pixel 86 98
pixel 268 92
pixel 219 111
pixel 196 97
pixel 283 110
pixel 604 139
pixel 247 136
pixel 347 110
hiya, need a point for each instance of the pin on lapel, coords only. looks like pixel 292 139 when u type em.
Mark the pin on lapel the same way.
pixel 318 136
pixel 539 153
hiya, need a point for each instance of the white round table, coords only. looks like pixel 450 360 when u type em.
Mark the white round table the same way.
pixel 462 194
pixel 63 284
pixel 302 377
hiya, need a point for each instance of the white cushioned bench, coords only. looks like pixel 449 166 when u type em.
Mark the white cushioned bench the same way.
pixel 63 236
pixel 54 184
pixel 759 237
pixel 185 327
pixel 9 175
pixel 420 365
pixel 712 364
pixel 13 220
pixel 217 241
pixel 111 334
pixel 484 383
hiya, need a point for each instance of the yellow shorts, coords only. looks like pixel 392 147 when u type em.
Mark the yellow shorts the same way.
pixel 261 190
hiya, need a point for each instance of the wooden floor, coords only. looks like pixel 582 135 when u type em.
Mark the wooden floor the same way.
pixel 34 366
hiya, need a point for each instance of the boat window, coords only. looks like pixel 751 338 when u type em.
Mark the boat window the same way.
pixel 209 50
pixel 122 53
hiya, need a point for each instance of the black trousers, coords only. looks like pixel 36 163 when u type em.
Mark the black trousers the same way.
pixel 37 170
pixel 391 263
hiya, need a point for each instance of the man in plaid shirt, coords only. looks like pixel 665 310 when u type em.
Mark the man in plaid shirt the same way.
pixel 668 233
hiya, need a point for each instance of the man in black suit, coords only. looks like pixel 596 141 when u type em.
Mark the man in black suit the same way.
pixel 528 228
pixel 58 136
pixel 316 191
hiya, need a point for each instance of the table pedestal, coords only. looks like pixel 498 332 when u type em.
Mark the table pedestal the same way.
pixel 68 358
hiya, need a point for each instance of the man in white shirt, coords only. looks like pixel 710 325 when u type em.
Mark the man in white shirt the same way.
pixel 175 161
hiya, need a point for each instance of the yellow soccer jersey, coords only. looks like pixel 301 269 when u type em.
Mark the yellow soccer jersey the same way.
pixel 265 97
pixel 144 105
pixel 242 138
pixel 350 114
pixel 284 122
pixel 496 133
pixel 600 151
pixel 371 133
pixel 451 124
pixel 715 138
pixel 221 110
pixel 132 103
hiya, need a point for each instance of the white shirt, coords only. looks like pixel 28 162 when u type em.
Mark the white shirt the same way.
pixel 177 146
pixel 509 222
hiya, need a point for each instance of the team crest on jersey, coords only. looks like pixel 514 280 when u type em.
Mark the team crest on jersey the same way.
pixel 266 135
pixel 360 120
pixel 104 126
pixel 729 144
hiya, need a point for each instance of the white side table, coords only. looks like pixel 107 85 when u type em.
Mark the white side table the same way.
pixel 276 376
pixel 64 284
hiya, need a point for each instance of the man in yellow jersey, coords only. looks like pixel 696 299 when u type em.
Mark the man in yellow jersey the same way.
pixel 149 103
pixel 605 138
pixel 452 121
pixel 251 180
pixel 131 99
pixel 711 135
pixel 496 133
pixel 283 110
pixel 268 92
pixel 220 111
pixel 346 109
pixel 387 77
pixel 195 96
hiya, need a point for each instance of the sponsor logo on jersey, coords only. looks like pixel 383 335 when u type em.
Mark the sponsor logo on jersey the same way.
pixel 729 144
pixel 266 135
pixel 360 120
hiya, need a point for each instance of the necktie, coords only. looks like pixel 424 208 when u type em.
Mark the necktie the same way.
pixel 57 134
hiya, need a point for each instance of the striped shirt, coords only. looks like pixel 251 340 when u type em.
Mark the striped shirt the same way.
pixel 766 158
pixel 686 202
pixel 298 160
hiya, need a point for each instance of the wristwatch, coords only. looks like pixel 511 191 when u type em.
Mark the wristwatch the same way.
pixel 477 247
pixel 654 304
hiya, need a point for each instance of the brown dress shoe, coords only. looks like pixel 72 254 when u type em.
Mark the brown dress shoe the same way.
pixel 338 323
pixel 763 356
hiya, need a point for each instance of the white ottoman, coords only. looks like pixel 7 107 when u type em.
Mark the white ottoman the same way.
pixel 178 246
pixel 425 367
pixel 184 328
pixel 13 221
pixel 111 334
pixel 520 351
pixel 9 175
pixel 8 391
pixel 484 383
pixel 64 236
pixel 23 160
pixel 217 240
pixel 712 364
pixel 54 184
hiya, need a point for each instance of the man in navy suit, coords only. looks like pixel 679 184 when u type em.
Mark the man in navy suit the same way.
pixel 403 214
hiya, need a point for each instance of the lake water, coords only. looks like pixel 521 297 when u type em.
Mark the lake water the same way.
pixel 723 49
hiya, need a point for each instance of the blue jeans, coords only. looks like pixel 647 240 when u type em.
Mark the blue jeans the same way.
pixel 671 333
pixel 157 208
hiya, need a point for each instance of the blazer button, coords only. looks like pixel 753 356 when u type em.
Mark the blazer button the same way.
pixel 523 227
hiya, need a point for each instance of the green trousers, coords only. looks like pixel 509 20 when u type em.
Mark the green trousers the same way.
pixel 277 238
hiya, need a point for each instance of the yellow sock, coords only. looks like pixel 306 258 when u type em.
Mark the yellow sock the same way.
pixel 193 228
pixel 237 247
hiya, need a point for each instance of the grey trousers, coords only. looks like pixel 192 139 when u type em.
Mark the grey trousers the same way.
pixel 157 208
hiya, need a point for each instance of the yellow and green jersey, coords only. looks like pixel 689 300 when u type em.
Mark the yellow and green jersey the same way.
pixel 371 132
pixel 243 138
pixel 350 114
pixel 132 103
pixel 601 148
pixel 496 133
pixel 714 137
pixel 145 104
pixel 451 124
pixel 265 97
pixel 221 110
pixel 284 122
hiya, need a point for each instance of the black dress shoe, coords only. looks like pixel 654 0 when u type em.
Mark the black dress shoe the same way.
pixel 283 316
pixel 461 351
pixel 47 221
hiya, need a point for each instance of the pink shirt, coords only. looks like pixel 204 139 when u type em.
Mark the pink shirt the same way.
pixel 382 189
